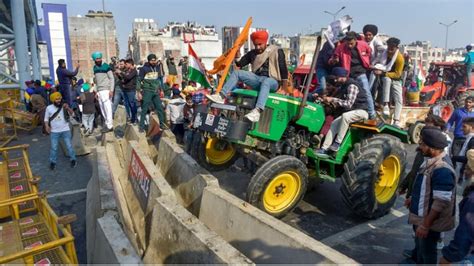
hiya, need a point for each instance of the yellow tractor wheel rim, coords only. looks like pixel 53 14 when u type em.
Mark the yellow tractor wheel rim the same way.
pixel 282 192
pixel 389 176
pixel 218 151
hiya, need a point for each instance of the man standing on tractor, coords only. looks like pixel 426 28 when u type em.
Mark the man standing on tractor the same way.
pixel 150 86
pixel 433 199
pixel 468 61
pixel 456 121
pixel 377 47
pixel 268 71
pixel 354 56
pixel 392 80
pixel 352 99
pixel 104 82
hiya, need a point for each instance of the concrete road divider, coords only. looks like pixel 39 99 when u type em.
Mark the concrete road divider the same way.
pixel 259 236
pixel 184 174
pixel 177 236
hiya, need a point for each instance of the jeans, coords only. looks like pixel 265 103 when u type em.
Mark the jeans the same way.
pixel 395 87
pixel 321 73
pixel 65 90
pixel 119 95
pixel 425 251
pixel 469 71
pixel 188 140
pixel 151 98
pixel 131 104
pixel 370 101
pixel 88 121
pixel 261 83
pixel 66 137
pixel 340 126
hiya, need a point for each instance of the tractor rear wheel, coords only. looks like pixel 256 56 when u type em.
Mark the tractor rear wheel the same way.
pixel 278 185
pixel 372 175
pixel 216 154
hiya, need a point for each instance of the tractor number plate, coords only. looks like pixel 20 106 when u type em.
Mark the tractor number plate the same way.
pixel 212 123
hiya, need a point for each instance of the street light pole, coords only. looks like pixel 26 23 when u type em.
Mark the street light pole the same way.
pixel 105 32
pixel 446 39
pixel 334 15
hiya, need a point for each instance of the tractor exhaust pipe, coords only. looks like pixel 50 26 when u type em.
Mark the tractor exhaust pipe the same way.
pixel 310 78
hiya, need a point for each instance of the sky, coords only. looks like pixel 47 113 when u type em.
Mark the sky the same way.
pixel 408 20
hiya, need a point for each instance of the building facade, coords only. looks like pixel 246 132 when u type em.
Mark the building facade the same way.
pixel 422 50
pixel 173 39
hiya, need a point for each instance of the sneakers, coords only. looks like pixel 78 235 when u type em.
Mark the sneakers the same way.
pixel 335 147
pixel 52 166
pixel 322 153
pixel 386 110
pixel 105 130
pixel 73 164
pixel 440 245
pixel 253 116
pixel 217 98
pixel 396 123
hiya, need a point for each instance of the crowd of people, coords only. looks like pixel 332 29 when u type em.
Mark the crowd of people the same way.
pixel 354 72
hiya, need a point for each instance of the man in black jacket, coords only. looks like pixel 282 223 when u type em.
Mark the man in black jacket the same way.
pixel 268 71
pixel 468 130
pixel 129 87
pixel 352 100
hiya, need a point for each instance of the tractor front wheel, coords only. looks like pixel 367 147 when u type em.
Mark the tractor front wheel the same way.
pixel 216 154
pixel 414 132
pixel 278 185
pixel 372 175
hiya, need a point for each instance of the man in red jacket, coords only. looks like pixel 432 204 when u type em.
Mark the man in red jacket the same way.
pixel 354 56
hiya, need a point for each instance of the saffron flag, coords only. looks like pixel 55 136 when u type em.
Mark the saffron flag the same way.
pixel 196 70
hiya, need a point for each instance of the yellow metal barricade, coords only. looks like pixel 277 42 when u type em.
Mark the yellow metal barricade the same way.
pixel 16 179
pixel 7 124
pixel 39 238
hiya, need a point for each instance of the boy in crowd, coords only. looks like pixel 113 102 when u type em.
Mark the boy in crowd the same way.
pixel 88 101
pixel 174 115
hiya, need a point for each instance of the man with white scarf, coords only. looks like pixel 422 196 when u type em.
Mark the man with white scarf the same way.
pixel 390 69
pixel 377 46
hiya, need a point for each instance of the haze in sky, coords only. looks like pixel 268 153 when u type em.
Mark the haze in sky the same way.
pixel 409 20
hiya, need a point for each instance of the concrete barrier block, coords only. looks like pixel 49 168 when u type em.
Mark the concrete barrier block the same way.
pixel 112 246
pixel 184 174
pixel 259 236
pixel 179 237
pixel 134 202
pixel 93 212
pixel 120 117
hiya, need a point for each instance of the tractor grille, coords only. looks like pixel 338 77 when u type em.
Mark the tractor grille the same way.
pixel 265 120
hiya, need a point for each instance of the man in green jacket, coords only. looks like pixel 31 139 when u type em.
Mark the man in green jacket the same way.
pixel 149 87
pixel 468 61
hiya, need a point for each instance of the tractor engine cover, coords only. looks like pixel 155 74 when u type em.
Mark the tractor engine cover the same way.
pixel 224 127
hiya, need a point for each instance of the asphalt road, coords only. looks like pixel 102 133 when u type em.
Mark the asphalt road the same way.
pixel 323 216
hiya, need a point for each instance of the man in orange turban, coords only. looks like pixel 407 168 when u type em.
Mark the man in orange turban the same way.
pixel 269 70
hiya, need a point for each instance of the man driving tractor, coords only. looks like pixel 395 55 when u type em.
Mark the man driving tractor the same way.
pixel 269 70
pixel 352 99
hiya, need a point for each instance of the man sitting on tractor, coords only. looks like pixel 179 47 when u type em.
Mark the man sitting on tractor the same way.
pixel 268 70
pixel 352 99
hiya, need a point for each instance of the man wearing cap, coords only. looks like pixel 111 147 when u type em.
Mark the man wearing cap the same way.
pixel 352 100
pixel 56 124
pixel 175 115
pixel 268 70
pixel 87 99
pixel 391 75
pixel 149 85
pixel 104 83
pixel 354 56
pixel 64 77
pixel 468 61
pixel 433 198
pixel 377 47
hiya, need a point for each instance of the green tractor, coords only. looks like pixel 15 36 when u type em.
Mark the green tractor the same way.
pixel 371 160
